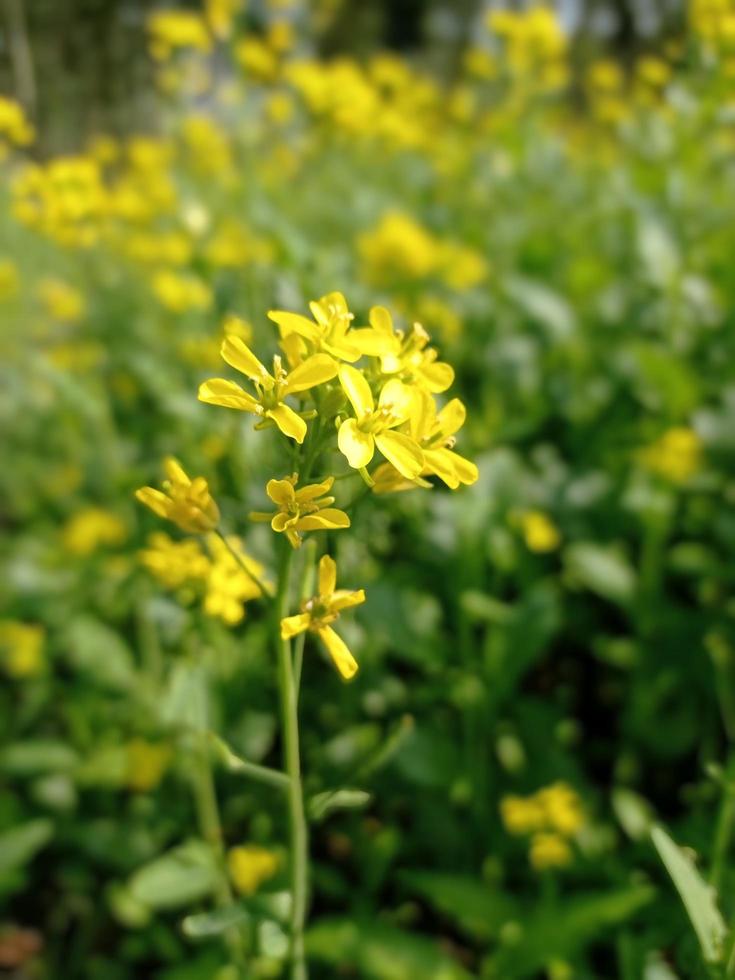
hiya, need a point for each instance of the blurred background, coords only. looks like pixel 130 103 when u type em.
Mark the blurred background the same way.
pixel 546 657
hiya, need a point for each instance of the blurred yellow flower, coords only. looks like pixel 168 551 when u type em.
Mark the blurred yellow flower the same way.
pixel 250 866
pixel 181 292
pixel 92 528
pixel 522 815
pixel 174 563
pixel 146 764
pixel 9 279
pixel 562 808
pixel 305 509
pixel 61 301
pixel 549 850
pixel 15 128
pixel 228 584
pixel 173 30
pixel 186 502
pixel 676 455
pixel 539 531
pixel 21 648
pixel 220 15
pixel 323 609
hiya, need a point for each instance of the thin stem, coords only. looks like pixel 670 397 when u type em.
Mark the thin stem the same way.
pixel 205 798
pixel 292 765
pixel 305 591
pixel 725 820
pixel 264 587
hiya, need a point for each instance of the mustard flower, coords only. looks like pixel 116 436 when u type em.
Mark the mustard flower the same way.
pixel 328 332
pixel 249 866
pixel 676 455
pixel 22 648
pixel 229 584
pixel 549 850
pixel 91 528
pixel 539 531
pixel 522 815
pixel 302 510
pixel 405 356
pixel 174 563
pixel 358 437
pixel 271 389
pixel 434 432
pixel 187 503
pixel 318 612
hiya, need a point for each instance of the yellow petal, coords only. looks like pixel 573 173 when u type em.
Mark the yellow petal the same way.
pixel 339 652
pixel 357 446
pixel 313 371
pixel 294 323
pixel 281 492
pixel 327 519
pixel 293 625
pixel 327 575
pixel 437 376
pixel 402 452
pixel 281 521
pixel 158 502
pixel 357 390
pixel 370 342
pixel 452 417
pixel 346 598
pixel 313 490
pixel 290 424
pixel 381 320
pixel 439 461
pixel 400 399
pixel 218 391
pixel 466 471
pixel 238 355
pixel 175 472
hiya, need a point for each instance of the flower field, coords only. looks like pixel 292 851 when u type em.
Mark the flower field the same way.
pixel 367 604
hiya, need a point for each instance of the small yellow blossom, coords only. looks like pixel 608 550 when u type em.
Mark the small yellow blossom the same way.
pixel 174 563
pixel 256 58
pixel 374 427
pixel 229 585
pixel 220 15
pixel 249 866
pixel 61 301
pixel 174 30
pixel 539 531
pixel 92 528
pixel 676 455
pixel 522 815
pixel 562 808
pixel 181 292
pixel 187 503
pixel 405 356
pixel 549 850
pixel 21 648
pixel 146 764
pixel 14 126
pixel 318 612
pixel 306 509
pixel 328 333
pixel 271 389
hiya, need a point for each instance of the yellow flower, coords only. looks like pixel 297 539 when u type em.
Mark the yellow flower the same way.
pixel 549 851
pixel 14 127
pixel 271 389
pixel 21 648
pixel 187 503
pixel 302 510
pixel 539 531
pixel 61 300
pixel 146 764
pixel 434 432
pixel 249 866
pixel 329 330
pixel 676 456
pixel 562 808
pixel 522 815
pixel 318 612
pixel 174 562
pixel 405 356
pixel 171 30
pixel 220 16
pixel 181 292
pixel 9 279
pixel 229 586
pixel 358 437
pixel 91 528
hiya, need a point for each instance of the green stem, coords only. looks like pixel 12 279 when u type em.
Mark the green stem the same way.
pixel 210 825
pixel 725 820
pixel 292 765
pixel 263 586
pixel 305 591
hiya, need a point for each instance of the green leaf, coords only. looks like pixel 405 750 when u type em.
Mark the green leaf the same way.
pixel 208 924
pixel 32 758
pixel 380 952
pixel 341 799
pixel 603 570
pixel 183 875
pixel 99 652
pixel 635 814
pixel 560 932
pixel 20 844
pixel 695 893
pixel 474 906
pixel 184 703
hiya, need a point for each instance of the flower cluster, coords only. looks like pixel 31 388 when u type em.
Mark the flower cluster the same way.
pixel 551 817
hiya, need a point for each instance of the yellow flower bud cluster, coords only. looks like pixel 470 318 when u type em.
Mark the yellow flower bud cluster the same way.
pixel 676 455
pixel 551 817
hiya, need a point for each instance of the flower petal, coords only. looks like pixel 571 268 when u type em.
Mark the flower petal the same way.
pixel 175 472
pixel 238 355
pixel 327 575
pixel 439 461
pixel 281 492
pixel 324 520
pixel 346 599
pixel 282 521
pixel 400 399
pixel 452 417
pixel 357 446
pixel 294 323
pixel 437 376
pixel 313 490
pixel 290 424
pixel 402 452
pixel 158 502
pixel 381 320
pixel 339 652
pixel 313 371
pixel 293 625
pixel 218 391
pixel 357 390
